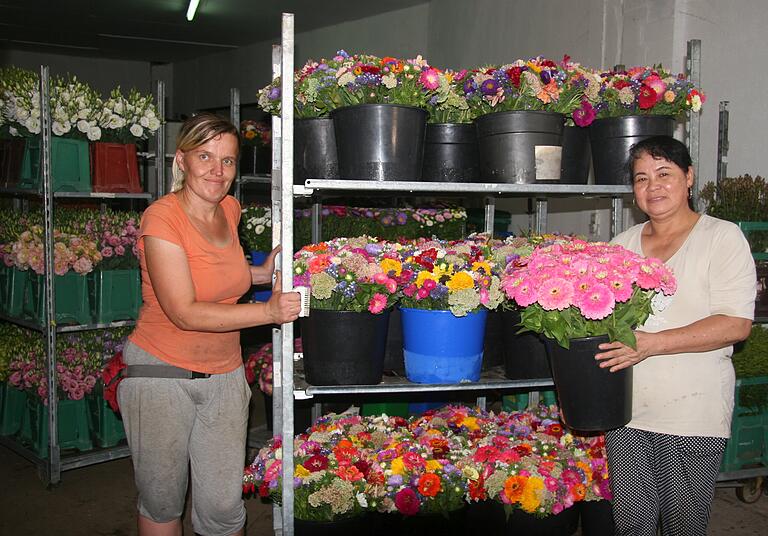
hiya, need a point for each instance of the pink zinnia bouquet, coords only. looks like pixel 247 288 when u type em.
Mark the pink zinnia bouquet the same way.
pixel 582 289
pixel 348 274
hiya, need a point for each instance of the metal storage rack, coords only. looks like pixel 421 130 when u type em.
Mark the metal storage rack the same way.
pixel 50 469
pixel 287 387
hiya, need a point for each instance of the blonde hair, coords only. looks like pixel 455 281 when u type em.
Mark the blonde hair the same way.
pixel 196 131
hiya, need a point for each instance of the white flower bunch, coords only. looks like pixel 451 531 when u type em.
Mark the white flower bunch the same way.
pixel 256 227
pixel 131 118
pixel 19 102
pixel 75 109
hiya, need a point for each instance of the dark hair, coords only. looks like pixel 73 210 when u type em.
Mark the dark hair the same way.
pixel 665 147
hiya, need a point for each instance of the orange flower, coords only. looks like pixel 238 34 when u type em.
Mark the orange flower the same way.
pixel 578 491
pixel 350 473
pixel 318 264
pixel 513 488
pixel 429 484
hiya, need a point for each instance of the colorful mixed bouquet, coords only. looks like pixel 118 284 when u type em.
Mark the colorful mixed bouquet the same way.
pixel 255 132
pixel 449 103
pixel 643 91
pixel 312 85
pixel 436 463
pixel 256 228
pixel 581 289
pixel 258 366
pixel 349 274
pixel 534 84
pixel 458 276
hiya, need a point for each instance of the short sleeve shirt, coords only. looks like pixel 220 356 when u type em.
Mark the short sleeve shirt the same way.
pixel 691 394
pixel 219 275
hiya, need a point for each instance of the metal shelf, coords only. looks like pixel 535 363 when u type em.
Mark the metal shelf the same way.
pixel 256 179
pixel 66 329
pixel 95 195
pixel 437 188
pixel 490 379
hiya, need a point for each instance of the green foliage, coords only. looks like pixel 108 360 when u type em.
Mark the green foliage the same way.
pixel 735 199
pixel 571 324
pixel 750 359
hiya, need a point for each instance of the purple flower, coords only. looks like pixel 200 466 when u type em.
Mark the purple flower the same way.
pixel 395 480
pixel 584 115
pixel 401 218
pixel 274 93
pixel 489 87
pixel 546 76
pixel 469 86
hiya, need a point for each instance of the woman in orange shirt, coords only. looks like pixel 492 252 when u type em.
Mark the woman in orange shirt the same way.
pixel 184 400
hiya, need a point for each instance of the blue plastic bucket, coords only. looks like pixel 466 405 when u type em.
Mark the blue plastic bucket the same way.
pixel 442 348
pixel 258 257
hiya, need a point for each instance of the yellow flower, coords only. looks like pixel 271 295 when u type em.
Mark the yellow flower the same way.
pixel 398 467
pixel 470 472
pixel 391 265
pixel 533 67
pixel 423 276
pixel 433 465
pixel 301 471
pixel 481 265
pixel 531 497
pixel 470 422
pixel 460 281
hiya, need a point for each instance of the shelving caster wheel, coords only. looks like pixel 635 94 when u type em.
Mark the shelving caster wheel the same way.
pixel 751 490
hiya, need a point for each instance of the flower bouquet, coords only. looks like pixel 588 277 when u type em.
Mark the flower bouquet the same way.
pixel 312 90
pixel 128 119
pixel 534 84
pixel 256 228
pixel 255 132
pixel 348 274
pixel 644 91
pixel 581 289
pixel 448 104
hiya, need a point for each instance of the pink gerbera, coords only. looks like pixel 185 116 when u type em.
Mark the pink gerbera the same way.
pixel 597 303
pixel 378 303
pixel 555 293
pixel 430 78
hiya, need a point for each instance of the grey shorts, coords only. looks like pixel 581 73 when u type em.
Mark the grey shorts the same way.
pixel 176 427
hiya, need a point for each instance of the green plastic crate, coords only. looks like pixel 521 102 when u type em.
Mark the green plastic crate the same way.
pixel 115 294
pixel 751 226
pixel 70 165
pixel 520 401
pixel 107 426
pixel 74 430
pixel 12 282
pixel 748 446
pixel 72 301
pixel 13 403
pixel 392 409
pixel 476 220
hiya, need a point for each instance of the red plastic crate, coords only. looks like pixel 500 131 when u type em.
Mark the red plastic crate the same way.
pixel 115 168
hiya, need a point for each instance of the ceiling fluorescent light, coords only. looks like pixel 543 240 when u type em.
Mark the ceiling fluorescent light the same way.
pixel 192 9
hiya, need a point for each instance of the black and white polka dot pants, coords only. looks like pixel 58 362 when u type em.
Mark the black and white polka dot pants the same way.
pixel 661 480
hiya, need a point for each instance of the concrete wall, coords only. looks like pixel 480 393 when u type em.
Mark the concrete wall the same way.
pixel 102 74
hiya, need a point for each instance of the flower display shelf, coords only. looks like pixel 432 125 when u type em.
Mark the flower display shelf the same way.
pixel 490 379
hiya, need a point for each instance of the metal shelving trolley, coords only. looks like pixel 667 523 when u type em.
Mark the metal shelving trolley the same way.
pixel 51 467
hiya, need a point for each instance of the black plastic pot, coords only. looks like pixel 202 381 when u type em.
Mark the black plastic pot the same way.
pixel 394 360
pixel 591 398
pixel 344 347
pixel 577 156
pixel 612 137
pixel 314 150
pixel 349 525
pixel 596 518
pixel 525 356
pixel 494 341
pixel 520 522
pixel 450 153
pixel 521 147
pixel 380 142
pixel 255 159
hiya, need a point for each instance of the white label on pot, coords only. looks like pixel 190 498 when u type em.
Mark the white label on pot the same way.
pixel 548 159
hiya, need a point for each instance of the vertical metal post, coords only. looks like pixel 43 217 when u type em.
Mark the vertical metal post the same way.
pixel 693 68
pixel 286 254
pixel 234 116
pixel 162 187
pixel 277 344
pixel 490 214
pixel 317 223
pixel 540 222
pixel 49 315
pixel 617 215
pixel 722 141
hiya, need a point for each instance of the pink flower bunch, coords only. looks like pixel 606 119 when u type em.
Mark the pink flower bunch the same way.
pixel 70 252
pixel 587 283
pixel 117 233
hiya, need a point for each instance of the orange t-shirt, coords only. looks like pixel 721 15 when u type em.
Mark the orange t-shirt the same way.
pixel 219 274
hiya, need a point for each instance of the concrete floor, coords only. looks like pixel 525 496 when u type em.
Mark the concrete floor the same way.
pixel 99 501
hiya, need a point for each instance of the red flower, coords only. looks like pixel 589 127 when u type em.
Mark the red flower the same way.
pixel 412 460
pixel 316 463
pixel 439 447
pixel 363 466
pixel 429 485
pixel 647 98
pixel 111 375
pixel 264 490
pixel 477 489
pixel 555 430
pixel 514 75
pixel 406 502
pixel 618 85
